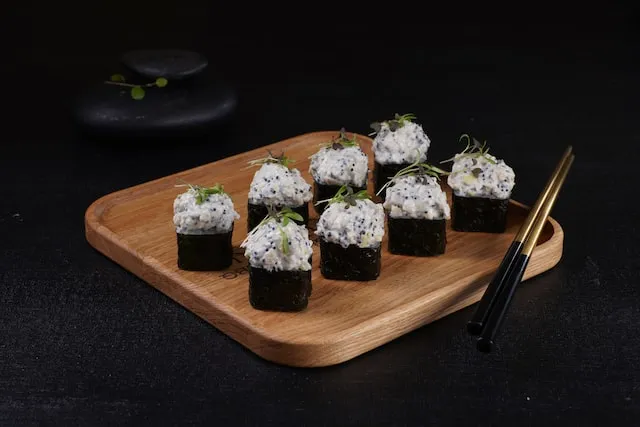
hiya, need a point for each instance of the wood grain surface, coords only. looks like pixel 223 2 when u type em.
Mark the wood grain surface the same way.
pixel 134 228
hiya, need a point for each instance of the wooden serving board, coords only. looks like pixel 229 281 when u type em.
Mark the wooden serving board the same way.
pixel 134 228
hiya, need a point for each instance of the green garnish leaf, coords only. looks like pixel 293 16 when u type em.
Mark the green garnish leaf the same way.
pixel 396 123
pixel 417 168
pixel 281 159
pixel 342 141
pixel 474 149
pixel 161 82
pixel 285 221
pixel 346 195
pixel 202 193
pixel 294 216
pixel 118 78
pixel 137 93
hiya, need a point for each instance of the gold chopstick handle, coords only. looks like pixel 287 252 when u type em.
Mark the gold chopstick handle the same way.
pixel 541 219
pixel 535 210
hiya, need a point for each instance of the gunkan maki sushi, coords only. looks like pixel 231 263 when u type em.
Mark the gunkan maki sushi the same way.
pixel 341 162
pixel 417 212
pixel 280 254
pixel 350 232
pixel 278 186
pixel 481 188
pixel 397 144
pixel 203 219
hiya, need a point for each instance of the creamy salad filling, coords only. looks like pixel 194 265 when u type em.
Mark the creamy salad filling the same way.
pixel 407 144
pixel 416 197
pixel 361 225
pixel 277 185
pixel 340 166
pixel 481 176
pixel 265 247
pixel 213 216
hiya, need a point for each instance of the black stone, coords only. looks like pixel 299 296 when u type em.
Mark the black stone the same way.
pixel 170 64
pixel 178 109
pixel 479 214
pixel 417 237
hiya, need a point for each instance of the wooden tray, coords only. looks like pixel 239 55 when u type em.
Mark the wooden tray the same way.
pixel 134 228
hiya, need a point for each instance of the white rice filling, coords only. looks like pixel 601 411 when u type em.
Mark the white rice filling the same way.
pixel 478 177
pixel 264 247
pixel 417 197
pixel 214 216
pixel 346 166
pixel 275 184
pixel 361 225
pixel 406 144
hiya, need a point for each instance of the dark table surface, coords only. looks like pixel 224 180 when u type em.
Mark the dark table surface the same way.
pixel 83 342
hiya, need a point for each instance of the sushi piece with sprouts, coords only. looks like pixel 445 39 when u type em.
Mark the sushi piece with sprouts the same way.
pixel 417 211
pixel 397 144
pixel 279 252
pixel 340 162
pixel 350 231
pixel 278 186
pixel 481 188
pixel 204 221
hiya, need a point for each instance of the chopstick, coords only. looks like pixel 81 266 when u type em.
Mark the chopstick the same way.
pixel 488 300
pixel 496 316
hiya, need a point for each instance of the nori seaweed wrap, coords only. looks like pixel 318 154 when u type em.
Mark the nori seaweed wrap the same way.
pixel 382 174
pixel 279 290
pixel 350 231
pixel 417 211
pixel 280 255
pixel 340 162
pixel 479 214
pixel 204 222
pixel 322 192
pixel 205 252
pixel 349 263
pixel 417 237
pixel 481 185
pixel 277 186
pixel 398 143
pixel 256 213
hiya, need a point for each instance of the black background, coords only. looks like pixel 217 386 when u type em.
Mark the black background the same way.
pixel 83 342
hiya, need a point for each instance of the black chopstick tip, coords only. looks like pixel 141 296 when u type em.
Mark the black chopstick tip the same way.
pixel 474 328
pixel 484 345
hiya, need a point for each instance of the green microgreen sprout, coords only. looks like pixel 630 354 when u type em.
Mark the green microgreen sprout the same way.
pixel 137 91
pixel 396 123
pixel 203 193
pixel 346 195
pixel 281 159
pixel 282 218
pixel 339 142
pixel 416 168
pixel 342 141
pixel 474 149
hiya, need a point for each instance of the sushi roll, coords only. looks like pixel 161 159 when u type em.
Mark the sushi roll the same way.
pixel 278 186
pixel 417 212
pixel 350 231
pixel 279 252
pixel 397 144
pixel 341 162
pixel 204 219
pixel 481 188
